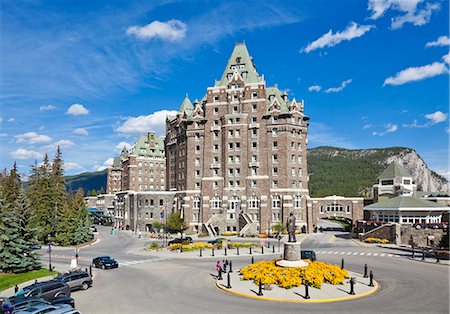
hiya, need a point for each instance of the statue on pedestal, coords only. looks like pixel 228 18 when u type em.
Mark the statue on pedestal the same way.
pixel 291 228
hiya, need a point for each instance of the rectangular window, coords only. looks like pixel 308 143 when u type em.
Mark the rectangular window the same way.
pixel 254 107
pixel 275 145
pixel 253 184
pixel 238 159
pixel 216 98
pixel 274 158
pixel 275 171
pixel 230 133
pixel 254 95
pixel 238 146
pixel 230 159
pixel 238 133
pixel 216 110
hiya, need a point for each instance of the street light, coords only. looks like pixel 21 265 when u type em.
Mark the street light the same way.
pixel 49 254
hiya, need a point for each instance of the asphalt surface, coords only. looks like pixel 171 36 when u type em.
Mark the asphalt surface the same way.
pixel 149 284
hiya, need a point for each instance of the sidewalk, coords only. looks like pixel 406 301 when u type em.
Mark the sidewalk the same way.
pixel 327 293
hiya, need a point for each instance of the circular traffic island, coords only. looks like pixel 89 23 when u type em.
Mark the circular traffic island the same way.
pixel 316 282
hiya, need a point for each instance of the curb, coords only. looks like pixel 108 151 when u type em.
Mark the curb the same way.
pixel 250 296
pixel 427 262
pixel 90 243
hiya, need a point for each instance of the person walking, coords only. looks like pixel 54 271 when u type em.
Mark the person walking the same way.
pixel 218 266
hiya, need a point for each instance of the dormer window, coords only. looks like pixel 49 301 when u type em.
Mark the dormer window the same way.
pixel 244 75
pixel 229 76
pixel 233 67
pixel 238 60
pixel 271 97
pixel 241 66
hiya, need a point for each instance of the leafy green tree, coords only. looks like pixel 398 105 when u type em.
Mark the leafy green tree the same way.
pixel 279 228
pixel 175 222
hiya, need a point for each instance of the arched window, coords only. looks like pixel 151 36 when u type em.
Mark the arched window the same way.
pixel 215 202
pixel 276 201
pixel 234 203
pixel 253 202
pixel 196 202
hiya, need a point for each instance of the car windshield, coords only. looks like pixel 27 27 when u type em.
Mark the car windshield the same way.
pixel 22 292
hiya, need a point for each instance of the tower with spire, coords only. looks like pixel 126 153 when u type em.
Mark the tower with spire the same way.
pixel 237 157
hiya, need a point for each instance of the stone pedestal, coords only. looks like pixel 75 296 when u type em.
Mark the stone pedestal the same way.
pixel 292 256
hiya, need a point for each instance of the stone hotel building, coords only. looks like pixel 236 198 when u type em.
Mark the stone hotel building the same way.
pixel 237 157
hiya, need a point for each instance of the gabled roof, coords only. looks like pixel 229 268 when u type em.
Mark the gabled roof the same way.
pixel 143 148
pixel 117 165
pixel 406 202
pixel 394 170
pixel 278 95
pixel 240 61
pixel 124 154
pixel 186 106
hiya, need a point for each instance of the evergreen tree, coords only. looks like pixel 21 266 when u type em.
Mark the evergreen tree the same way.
pixel 101 191
pixel 82 232
pixel 11 186
pixel 27 233
pixel 14 253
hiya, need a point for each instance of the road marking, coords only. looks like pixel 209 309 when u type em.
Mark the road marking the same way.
pixel 369 254
pixel 348 253
pixel 390 255
pixel 375 254
pixel 356 253
pixel 342 253
pixel 142 261
pixel 382 254
pixel 335 253
pixel 362 253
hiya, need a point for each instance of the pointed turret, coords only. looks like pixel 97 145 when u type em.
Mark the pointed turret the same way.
pixel 394 170
pixel 186 106
pixel 241 62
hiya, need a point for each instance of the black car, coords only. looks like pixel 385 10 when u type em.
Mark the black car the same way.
pixel 104 262
pixel 19 303
pixel 178 240
pixel 307 254
pixel 216 241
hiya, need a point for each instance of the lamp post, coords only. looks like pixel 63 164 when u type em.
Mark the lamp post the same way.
pixel 49 254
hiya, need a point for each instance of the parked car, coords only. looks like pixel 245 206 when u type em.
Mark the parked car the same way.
pixel 308 254
pixel 216 241
pixel 48 290
pixel 179 240
pixel 93 228
pixel 76 280
pixel 25 303
pixel 6 306
pixel 104 262
pixel 46 308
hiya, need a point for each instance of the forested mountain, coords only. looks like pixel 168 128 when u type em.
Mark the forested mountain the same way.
pixel 338 171
pixel 87 180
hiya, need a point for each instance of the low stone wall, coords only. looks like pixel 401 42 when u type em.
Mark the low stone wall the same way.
pixel 387 231
pixel 421 237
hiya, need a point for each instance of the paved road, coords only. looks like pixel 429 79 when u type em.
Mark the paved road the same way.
pixel 150 285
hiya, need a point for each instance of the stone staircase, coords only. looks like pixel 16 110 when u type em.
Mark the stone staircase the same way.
pixel 246 226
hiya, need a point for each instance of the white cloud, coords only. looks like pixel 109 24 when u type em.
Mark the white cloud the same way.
pixel 60 143
pixel 441 41
pixel 68 165
pixel 412 13
pixel 329 39
pixel 77 109
pixel 121 145
pixel 446 58
pixel 413 74
pixel 11 120
pixel 437 117
pixel 21 153
pixel 142 124
pixel 367 126
pixel 47 107
pixel 315 88
pixel 340 88
pixel 32 138
pixel 172 30
pixel 388 128
pixel 80 131
pixel 3 134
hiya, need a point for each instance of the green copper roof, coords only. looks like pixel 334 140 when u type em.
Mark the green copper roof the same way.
pixel 145 148
pixel 116 163
pixel 240 61
pixel 405 202
pixel 279 96
pixel 394 170
pixel 124 154
pixel 186 106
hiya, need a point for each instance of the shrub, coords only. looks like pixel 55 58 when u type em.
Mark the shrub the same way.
pixel 314 274
pixel 242 245
pixel 376 240
pixel 153 247
pixel 191 247
pixel 229 233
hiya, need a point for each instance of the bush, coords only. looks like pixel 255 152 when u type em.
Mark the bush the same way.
pixel 229 233
pixel 191 247
pixel 314 274
pixel 376 240
pixel 232 245
pixel 153 247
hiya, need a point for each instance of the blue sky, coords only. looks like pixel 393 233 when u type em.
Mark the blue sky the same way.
pixel 92 76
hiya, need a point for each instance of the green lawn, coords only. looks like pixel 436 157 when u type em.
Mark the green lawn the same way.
pixel 10 280
pixel 343 223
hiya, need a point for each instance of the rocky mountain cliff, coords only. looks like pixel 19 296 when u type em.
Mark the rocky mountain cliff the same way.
pixel 346 172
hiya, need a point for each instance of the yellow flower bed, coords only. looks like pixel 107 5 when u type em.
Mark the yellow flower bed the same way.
pixel 191 247
pixel 376 240
pixel 242 245
pixel 229 233
pixel 314 274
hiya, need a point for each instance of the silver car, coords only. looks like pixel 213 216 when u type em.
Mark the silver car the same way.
pixel 45 308
pixel 76 280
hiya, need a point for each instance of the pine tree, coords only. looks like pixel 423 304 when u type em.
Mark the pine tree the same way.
pixel 27 233
pixel 83 231
pixel 14 253
pixel 11 186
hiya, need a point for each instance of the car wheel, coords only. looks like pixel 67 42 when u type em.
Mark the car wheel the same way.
pixel 103 267
pixel 84 286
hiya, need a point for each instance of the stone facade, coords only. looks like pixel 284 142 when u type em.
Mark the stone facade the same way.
pixel 139 210
pixel 350 208
pixel 240 150
pixel 105 203
pixel 141 169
